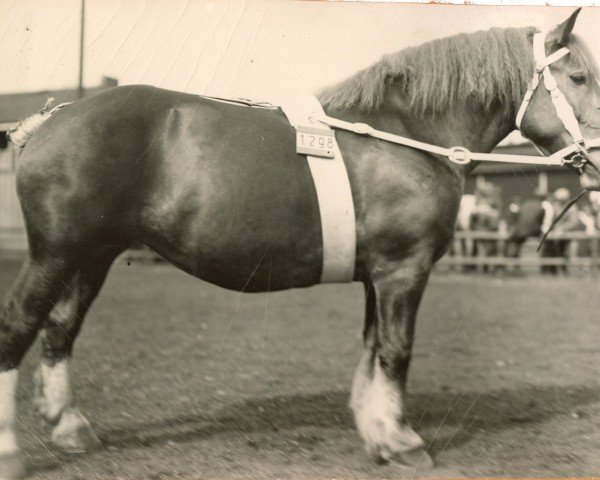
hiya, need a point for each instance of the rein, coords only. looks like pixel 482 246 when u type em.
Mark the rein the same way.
pixel 569 204
pixel 574 155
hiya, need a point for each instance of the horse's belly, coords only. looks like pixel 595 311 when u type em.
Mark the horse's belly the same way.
pixel 242 214
pixel 256 248
pixel 246 254
pixel 258 269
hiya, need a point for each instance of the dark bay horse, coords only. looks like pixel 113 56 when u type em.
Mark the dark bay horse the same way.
pixel 219 191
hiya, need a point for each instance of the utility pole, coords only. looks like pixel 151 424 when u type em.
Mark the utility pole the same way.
pixel 81 38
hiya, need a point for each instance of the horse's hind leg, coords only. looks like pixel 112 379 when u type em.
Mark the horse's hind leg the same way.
pixel 378 391
pixel 25 308
pixel 71 430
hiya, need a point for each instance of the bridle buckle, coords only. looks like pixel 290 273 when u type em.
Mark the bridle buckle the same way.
pixel 459 155
pixel 579 158
pixel 539 65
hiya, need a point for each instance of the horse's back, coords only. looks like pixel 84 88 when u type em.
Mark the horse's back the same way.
pixel 215 188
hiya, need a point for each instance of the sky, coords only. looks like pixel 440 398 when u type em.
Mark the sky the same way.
pixel 256 49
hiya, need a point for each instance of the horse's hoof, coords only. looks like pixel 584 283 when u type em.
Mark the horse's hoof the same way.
pixel 416 458
pixel 73 434
pixel 81 440
pixel 12 466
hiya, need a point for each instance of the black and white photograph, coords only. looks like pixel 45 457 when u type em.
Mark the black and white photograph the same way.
pixel 260 239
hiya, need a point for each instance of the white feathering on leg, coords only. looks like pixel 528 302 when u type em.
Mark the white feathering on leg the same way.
pixel 377 406
pixel 56 389
pixel 8 386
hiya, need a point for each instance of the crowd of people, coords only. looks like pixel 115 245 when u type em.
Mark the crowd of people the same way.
pixel 521 218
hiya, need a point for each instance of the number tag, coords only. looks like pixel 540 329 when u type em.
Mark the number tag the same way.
pixel 317 142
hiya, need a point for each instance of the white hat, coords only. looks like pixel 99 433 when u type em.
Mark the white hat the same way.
pixel 562 195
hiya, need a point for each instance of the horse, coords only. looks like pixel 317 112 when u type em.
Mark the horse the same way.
pixel 219 191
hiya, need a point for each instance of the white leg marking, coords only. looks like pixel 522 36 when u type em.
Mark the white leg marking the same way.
pixel 56 390
pixel 72 431
pixel 8 387
pixel 377 406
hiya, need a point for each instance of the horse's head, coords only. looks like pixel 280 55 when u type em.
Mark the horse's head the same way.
pixel 564 109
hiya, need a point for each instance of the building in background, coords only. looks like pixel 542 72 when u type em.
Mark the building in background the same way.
pixel 13 108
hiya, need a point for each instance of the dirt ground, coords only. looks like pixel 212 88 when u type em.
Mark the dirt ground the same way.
pixel 182 379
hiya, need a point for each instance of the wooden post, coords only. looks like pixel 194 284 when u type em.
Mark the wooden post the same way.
pixel 594 253
pixel 81 39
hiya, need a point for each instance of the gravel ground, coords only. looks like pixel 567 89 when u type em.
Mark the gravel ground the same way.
pixel 181 379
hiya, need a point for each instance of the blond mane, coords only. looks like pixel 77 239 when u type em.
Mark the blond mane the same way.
pixel 486 67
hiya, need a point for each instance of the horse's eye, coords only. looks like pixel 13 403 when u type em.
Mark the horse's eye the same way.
pixel 578 79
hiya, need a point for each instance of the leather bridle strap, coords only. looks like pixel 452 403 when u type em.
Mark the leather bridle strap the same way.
pixel 564 111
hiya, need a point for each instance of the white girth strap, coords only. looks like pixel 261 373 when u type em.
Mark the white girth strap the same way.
pixel 336 207
pixel 542 69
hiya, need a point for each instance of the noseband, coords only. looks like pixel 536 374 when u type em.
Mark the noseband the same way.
pixel 577 154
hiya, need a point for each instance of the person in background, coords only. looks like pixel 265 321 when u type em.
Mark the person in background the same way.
pixel 513 212
pixel 531 218
pixel 570 222
pixel 486 218
pixel 594 198
pixel 586 217
pixel 464 246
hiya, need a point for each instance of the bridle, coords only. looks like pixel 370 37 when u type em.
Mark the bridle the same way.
pixel 574 155
pixel 564 110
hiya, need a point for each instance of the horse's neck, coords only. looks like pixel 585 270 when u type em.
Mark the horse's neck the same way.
pixel 462 125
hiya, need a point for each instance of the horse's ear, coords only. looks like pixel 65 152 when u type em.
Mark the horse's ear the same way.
pixel 561 33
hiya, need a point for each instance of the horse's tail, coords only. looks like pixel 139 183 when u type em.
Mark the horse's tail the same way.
pixel 21 134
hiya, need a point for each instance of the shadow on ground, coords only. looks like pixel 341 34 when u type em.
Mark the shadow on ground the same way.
pixel 465 415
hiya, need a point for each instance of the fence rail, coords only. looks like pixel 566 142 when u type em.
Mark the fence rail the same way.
pixel 583 251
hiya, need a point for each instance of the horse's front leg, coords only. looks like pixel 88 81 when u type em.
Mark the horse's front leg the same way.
pixel 378 391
